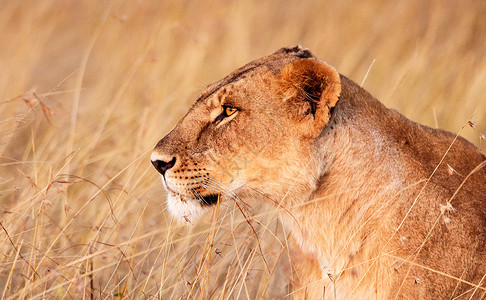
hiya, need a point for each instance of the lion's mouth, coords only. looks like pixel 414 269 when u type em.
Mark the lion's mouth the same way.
pixel 207 200
pixel 210 199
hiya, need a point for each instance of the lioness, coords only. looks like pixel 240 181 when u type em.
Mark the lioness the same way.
pixel 380 207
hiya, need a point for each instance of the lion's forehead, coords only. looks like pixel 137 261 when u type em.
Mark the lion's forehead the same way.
pixel 236 88
pixel 245 78
pixel 245 83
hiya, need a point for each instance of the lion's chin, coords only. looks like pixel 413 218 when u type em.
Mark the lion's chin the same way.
pixel 185 210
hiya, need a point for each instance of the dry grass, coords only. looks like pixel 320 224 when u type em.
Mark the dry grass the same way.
pixel 88 87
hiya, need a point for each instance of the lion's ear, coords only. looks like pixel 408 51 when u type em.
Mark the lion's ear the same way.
pixel 311 88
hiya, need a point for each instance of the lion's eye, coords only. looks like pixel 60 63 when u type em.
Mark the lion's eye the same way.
pixel 228 110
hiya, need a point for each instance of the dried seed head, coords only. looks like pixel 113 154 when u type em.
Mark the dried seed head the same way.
pixel 329 274
pixel 450 170
pixel 446 208
pixel 472 123
pixel 30 102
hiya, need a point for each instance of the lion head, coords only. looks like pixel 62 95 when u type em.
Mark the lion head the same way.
pixel 250 132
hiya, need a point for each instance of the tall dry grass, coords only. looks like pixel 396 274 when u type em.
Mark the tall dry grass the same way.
pixel 88 87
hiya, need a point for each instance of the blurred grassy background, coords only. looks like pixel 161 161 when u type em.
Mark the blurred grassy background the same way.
pixel 88 87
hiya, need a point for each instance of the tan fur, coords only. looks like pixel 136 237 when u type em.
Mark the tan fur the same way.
pixel 375 210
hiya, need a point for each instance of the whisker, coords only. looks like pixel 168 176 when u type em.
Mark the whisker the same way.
pixel 197 195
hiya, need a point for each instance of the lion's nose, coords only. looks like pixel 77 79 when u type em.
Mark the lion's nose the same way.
pixel 163 166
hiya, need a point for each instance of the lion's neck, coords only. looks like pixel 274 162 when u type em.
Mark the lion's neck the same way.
pixel 343 220
pixel 333 217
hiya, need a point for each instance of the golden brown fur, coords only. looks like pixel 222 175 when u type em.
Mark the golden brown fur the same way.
pixel 380 207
